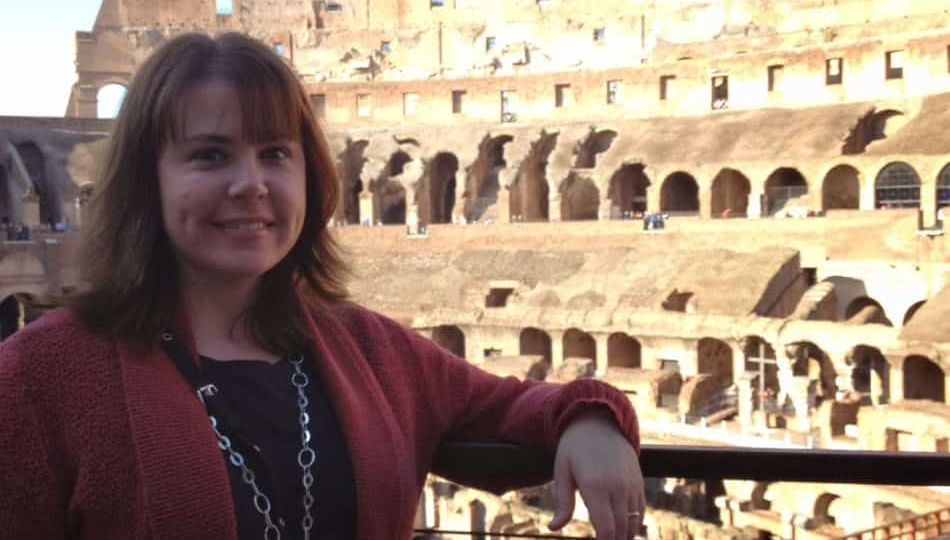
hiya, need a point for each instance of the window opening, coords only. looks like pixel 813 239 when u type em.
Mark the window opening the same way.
pixel 279 49
pixel 490 43
pixel 563 96
pixel 720 92
pixel 775 76
pixel 223 7
pixel 897 186
pixel 507 106
pixel 386 47
pixel 498 297
pixel 436 3
pixel 458 99
pixel 334 7
pixel 364 105
pixel 895 65
pixel 600 34
pixel 319 102
pixel 614 90
pixel 666 87
pixel 834 68
pixel 410 103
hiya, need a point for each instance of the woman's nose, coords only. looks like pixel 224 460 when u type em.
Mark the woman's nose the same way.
pixel 250 178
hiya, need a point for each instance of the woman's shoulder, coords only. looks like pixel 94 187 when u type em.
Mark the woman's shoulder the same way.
pixel 56 336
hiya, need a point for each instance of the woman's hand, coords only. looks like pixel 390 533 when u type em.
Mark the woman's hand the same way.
pixel 595 459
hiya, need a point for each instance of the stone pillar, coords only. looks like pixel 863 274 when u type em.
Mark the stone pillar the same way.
pixel 31 212
pixel 600 362
pixel 745 383
pixel 557 348
pixel 802 404
pixel 689 365
pixel 474 352
pixel 605 209
pixel 896 381
pixel 554 206
pixel 367 214
pixel 705 203
pixel 754 209
pixel 503 205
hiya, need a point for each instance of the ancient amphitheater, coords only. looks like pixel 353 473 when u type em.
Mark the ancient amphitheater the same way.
pixel 499 158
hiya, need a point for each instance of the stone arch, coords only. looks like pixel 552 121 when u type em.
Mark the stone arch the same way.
pixel 870 375
pixel 628 191
pixel 534 341
pixel 596 142
pixel 530 191
pixel 451 338
pixel 810 360
pixel 109 100
pixel 730 194
pixel 350 164
pixel 12 316
pixel 866 310
pixel 679 193
pixel 389 192
pixel 441 192
pixel 579 344
pixel 482 178
pixel 37 167
pixel 943 187
pixel 580 198
pixel 714 358
pixel 784 186
pixel 897 186
pixel 823 514
pixel 924 379
pixel 623 351
pixel 841 189
pixel 912 310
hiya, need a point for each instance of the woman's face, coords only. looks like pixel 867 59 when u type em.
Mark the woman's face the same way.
pixel 232 208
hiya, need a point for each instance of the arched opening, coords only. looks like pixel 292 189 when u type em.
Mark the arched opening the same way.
pixel 785 188
pixel 628 192
pixel 679 194
pixel 866 310
pixel 841 189
pixel 451 338
pixel 6 197
pixel 392 203
pixel 579 344
pixel 715 359
pixel 109 100
pixel 529 191
pixel 12 316
pixel 35 163
pixel 483 184
pixel 534 341
pixel 923 379
pixel 943 187
pixel 912 310
pixel 580 198
pixel 809 360
pixel 760 361
pixel 596 142
pixel 823 514
pixel 623 351
pixel 730 194
pixel 351 163
pixel 397 163
pixel 870 375
pixel 442 185
pixel 897 186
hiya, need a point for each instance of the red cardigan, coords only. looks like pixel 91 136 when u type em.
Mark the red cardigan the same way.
pixel 104 440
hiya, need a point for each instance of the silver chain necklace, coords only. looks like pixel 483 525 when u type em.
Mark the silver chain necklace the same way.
pixel 305 458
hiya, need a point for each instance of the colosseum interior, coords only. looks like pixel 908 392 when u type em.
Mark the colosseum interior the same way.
pixel 504 162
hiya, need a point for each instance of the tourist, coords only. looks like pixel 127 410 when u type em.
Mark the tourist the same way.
pixel 212 381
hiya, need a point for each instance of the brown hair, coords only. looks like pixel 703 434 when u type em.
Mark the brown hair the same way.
pixel 127 260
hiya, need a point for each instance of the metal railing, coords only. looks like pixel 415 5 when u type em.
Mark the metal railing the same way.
pixel 460 460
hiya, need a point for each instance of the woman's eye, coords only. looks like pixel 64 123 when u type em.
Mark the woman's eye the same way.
pixel 209 155
pixel 275 154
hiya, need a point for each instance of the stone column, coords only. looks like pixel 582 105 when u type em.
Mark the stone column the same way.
pixel 367 213
pixel 600 362
pixel 745 383
pixel 689 365
pixel 754 209
pixel 554 206
pixel 799 396
pixel 503 205
pixel 31 212
pixel 474 351
pixel 896 379
pixel 557 348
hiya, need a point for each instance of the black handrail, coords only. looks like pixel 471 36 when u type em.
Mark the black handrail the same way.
pixel 479 460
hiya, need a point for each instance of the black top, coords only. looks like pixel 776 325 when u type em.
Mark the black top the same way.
pixel 261 397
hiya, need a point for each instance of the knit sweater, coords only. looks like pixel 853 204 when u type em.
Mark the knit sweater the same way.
pixel 103 439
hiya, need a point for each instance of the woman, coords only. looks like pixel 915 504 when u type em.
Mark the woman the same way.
pixel 213 382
